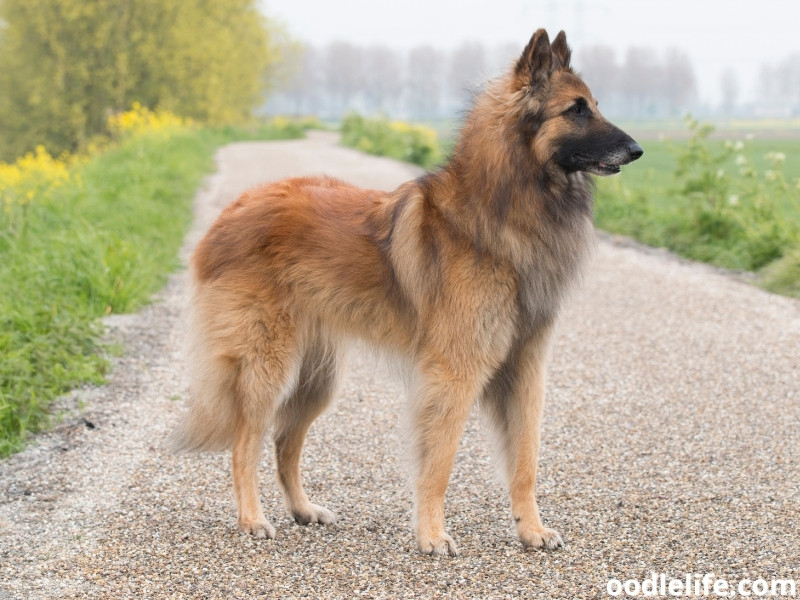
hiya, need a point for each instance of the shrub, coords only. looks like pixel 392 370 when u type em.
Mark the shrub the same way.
pixel 718 207
pixel 412 143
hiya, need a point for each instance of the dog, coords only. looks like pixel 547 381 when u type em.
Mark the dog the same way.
pixel 460 272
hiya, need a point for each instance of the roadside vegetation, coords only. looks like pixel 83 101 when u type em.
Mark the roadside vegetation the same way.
pixel 416 144
pixel 65 65
pixel 89 235
pixel 732 203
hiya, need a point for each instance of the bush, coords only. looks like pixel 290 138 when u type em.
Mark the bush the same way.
pixel 719 208
pixel 412 143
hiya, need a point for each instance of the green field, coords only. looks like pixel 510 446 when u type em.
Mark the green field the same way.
pixel 734 203
pixel 654 175
pixel 655 169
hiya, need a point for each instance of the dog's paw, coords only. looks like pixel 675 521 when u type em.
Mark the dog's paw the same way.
pixel 541 537
pixel 312 513
pixel 439 546
pixel 258 529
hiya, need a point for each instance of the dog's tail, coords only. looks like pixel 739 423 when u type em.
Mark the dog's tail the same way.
pixel 210 418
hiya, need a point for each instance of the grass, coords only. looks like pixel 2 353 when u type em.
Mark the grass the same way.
pixel 100 239
pixel 733 203
pixel 379 136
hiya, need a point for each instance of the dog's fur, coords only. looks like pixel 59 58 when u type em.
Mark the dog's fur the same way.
pixel 461 272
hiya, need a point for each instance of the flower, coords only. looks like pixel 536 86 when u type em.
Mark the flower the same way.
pixel 140 119
pixel 775 157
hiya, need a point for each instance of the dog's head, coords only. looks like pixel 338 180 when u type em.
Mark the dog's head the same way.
pixel 558 117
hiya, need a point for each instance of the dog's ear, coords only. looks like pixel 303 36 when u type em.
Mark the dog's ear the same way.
pixel 561 52
pixel 536 62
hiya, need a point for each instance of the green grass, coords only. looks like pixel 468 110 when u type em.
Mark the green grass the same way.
pixel 734 203
pixel 101 243
pixel 377 135
pixel 656 168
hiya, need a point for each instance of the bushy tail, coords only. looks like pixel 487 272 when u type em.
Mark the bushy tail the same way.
pixel 210 417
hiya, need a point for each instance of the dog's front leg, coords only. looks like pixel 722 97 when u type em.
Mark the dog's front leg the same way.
pixel 442 403
pixel 515 400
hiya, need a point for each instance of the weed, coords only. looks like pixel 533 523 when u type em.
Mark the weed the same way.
pixel 412 143
pixel 718 207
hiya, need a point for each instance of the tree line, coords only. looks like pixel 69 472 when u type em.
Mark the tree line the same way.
pixel 66 65
pixel 427 83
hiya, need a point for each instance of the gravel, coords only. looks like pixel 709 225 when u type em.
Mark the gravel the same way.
pixel 670 445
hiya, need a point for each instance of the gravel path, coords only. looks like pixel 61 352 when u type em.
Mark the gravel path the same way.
pixel 670 444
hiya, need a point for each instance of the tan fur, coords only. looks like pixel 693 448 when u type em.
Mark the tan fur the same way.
pixel 461 272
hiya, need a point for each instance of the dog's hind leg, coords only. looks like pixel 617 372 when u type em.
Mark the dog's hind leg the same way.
pixel 515 400
pixel 266 375
pixel 315 388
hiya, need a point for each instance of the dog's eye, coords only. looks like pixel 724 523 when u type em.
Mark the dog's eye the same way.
pixel 576 109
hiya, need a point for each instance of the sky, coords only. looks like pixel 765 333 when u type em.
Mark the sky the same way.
pixel 716 34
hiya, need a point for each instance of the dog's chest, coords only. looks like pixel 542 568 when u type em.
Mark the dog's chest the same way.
pixel 554 265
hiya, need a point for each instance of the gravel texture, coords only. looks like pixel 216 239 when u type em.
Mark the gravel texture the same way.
pixel 670 444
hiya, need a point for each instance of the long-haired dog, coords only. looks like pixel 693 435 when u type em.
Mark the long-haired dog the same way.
pixel 462 272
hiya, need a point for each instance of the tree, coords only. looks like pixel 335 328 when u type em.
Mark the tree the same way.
pixel 344 76
pixel 424 82
pixel 641 74
pixel 679 84
pixel 301 91
pixel 383 82
pixel 65 65
pixel 729 85
pixel 598 64
pixel 467 72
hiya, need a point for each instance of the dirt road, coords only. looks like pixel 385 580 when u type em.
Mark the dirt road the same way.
pixel 671 444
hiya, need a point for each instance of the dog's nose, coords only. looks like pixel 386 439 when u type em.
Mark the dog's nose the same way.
pixel 635 150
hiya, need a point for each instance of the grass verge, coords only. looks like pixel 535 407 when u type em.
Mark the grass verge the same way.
pixel 84 240
pixel 734 204
pixel 396 139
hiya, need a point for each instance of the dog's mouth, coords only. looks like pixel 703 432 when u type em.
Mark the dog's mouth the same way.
pixel 608 160
pixel 602 168
pixel 590 164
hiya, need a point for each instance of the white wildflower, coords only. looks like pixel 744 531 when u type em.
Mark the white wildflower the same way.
pixel 738 145
pixel 733 200
pixel 776 157
pixel 741 160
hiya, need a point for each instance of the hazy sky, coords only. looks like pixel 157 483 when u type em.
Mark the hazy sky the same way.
pixel 716 34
